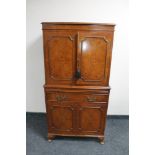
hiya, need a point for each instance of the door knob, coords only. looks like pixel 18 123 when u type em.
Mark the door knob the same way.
pixel 78 74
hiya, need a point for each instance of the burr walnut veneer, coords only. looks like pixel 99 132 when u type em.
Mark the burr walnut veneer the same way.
pixel 77 60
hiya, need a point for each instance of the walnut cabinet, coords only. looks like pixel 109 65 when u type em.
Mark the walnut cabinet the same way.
pixel 77 60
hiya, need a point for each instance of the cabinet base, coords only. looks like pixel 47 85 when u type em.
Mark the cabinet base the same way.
pixel 52 136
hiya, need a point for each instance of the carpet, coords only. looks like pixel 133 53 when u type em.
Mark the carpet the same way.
pixel 116 139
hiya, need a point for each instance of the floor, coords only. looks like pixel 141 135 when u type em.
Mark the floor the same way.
pixel 116 139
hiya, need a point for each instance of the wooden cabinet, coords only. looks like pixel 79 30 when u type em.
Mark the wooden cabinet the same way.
pixel 77 60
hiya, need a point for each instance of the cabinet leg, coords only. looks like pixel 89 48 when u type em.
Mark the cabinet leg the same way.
pixel 101 140
pixel 50 137
pixel 49 140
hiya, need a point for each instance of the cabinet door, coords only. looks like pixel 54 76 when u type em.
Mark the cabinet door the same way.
pixel 93 58
pixel 60 117
pixel 91 118
pixel 59 57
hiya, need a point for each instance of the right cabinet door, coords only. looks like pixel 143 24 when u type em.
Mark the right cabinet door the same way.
pixel 94 57
pixel 91 118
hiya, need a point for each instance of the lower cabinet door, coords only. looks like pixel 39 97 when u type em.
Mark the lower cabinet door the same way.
pixel 76 118
pixel 91 118
pixel 61 117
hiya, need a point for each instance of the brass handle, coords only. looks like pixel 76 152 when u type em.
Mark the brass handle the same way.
pixel 91 99
pixel 60 98
pixel 63 97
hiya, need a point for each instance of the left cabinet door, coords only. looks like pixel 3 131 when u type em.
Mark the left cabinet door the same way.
pixel 61 117
pixel 59 54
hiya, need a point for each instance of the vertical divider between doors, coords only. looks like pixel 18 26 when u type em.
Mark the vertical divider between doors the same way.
pixel 76 117
pixel 78 54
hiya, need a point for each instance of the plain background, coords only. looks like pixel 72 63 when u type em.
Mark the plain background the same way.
pixel 13 77
pixel 111 11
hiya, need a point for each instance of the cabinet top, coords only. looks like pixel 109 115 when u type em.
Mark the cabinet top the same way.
pixel 77 25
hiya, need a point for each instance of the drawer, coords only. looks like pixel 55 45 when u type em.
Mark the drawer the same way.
pixel 85 97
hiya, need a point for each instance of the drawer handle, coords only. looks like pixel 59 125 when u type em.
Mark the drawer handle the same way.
pixel 63 97
pixel 91 99
pixel 60 98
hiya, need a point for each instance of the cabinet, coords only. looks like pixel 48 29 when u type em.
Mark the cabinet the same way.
pixel 77 60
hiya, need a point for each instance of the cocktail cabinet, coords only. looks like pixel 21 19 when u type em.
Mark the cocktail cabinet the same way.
pixel 77 58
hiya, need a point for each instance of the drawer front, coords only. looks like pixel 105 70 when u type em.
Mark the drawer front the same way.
pixel 78 97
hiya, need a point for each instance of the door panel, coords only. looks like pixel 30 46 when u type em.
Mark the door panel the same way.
pixel 93 59
pixel 91 118
pixel 61 117
pixel 93 55
pixel 60 57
